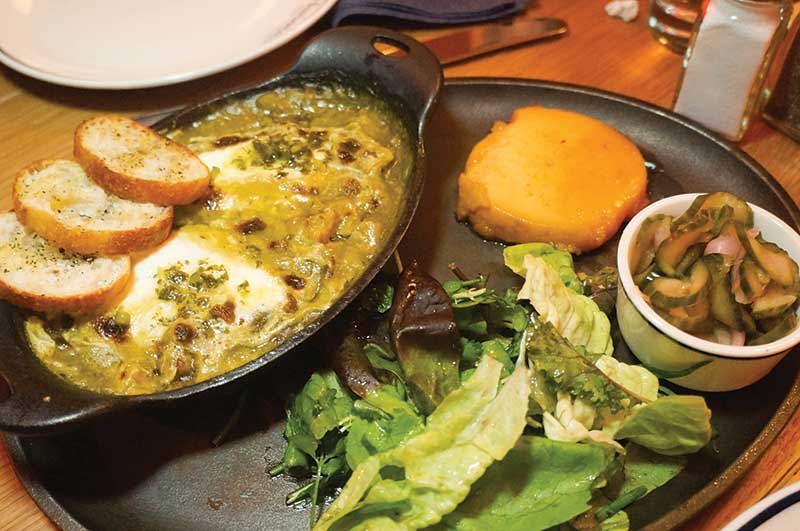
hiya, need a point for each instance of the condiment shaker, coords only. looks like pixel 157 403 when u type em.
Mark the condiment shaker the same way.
pixel 725 64
pixel 783 107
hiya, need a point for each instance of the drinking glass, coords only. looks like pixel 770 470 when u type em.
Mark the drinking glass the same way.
pixel 671 22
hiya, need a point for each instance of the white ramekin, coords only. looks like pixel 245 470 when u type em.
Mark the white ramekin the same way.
pixel 679 356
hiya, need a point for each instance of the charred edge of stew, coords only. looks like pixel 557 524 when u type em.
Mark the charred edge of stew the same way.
pixel 347 150
pixel 184 333
pixel 230 140
pixel 110 328
pixel 351 187
pixel 226 312
pixel 251 225
pixel 315 139
pixel 291 304
pixel 294 282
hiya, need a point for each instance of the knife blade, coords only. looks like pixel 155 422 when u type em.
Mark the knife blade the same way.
pixel 480 40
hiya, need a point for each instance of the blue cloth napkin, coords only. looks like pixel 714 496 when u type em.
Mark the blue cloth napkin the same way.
pixel 429 11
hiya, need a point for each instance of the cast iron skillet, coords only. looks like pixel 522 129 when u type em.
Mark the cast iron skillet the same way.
pixel 34 400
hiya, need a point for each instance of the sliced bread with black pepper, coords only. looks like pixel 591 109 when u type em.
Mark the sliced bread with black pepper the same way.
pixel 37 275
pixel 136 163
pixel 59 202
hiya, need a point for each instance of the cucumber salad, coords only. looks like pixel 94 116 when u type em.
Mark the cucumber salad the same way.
pixel 711 273
pixel 456 406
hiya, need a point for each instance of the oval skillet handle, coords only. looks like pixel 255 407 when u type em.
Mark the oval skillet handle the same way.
pixel 34 407
pixel 33 400
pixel 415 76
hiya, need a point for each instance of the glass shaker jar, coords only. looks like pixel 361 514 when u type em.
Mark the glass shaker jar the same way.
pixel 782 109
pixel 726 62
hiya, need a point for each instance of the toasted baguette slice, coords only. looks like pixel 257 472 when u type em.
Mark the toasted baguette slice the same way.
pixel 59 202
pixel 136 163
pixel 37 275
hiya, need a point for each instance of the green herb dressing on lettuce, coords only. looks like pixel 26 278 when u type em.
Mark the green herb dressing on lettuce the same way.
pixel 575 316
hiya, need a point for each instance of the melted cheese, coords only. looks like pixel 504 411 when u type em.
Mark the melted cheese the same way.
pixel 151 316
pixel 217 158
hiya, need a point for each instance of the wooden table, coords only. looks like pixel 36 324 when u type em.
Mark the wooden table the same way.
pixel 37 121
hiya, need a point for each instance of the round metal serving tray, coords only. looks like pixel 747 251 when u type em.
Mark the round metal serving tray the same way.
pixel 158 468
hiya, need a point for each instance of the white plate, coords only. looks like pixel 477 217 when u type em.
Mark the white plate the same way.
pixel 777 512
pixel 125 44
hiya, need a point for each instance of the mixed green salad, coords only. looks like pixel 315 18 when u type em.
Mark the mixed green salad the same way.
pixel 455 406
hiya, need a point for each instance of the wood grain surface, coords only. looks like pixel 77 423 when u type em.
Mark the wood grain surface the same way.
pixel 37 120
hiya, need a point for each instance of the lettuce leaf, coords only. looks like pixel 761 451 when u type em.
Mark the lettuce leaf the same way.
pixel 480 310
pixel 573 421
pixel 574 316
pixel 643 471
pixel 634 378
pixel 381 421
pixel 672 425
pixel 497 348
pixel 560 261
pixel 540 484
pixel 645 468
pixel 425 338
pixel 414 485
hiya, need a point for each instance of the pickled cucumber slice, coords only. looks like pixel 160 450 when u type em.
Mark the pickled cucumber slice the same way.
pixel 768 323
pixel 724 307
pixel 778 330
pixel 695 318
pixel 749 323
pixel 666 293
pixel 641 279
pixel 772 259
pixel 740 210
pixel 672 250
pixel 775 300
pixel 644 251
pixel 754 279
pixel 692 254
